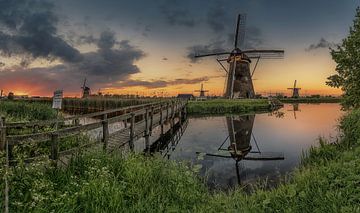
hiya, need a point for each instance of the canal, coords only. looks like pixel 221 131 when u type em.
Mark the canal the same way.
pixel 246 149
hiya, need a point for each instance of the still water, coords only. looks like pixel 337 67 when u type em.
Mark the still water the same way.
pixel 232 150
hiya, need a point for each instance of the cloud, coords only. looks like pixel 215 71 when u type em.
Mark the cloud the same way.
pixel 212 47
pixel 216 18
pixel 162 83
pixel 323 43
pixel 113 61
pixel 28 28
pixel 176 15
pixel 253 38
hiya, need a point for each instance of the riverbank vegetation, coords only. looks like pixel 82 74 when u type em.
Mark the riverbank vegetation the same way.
pixel 327 181
pixel 312 100
pixel 223 106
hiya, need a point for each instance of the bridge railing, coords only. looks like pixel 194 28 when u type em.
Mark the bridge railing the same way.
pixel 128 115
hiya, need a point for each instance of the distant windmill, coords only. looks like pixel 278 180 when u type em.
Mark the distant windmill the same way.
pixel 85 90
pixel 202 91
pixel 295 90
pixel 239 83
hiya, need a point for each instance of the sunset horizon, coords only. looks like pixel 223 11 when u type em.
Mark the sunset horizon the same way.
pixel 132 53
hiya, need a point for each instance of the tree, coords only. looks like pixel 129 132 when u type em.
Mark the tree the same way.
pixel 347 58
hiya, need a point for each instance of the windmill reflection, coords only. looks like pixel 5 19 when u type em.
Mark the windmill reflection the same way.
pixel 238 144
pixel 295 109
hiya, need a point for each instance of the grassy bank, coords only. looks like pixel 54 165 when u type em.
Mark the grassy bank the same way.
pixel 311 100
pixel 327 181
pixel 223 106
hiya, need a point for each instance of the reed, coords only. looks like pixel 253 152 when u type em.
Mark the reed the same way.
pixel 224 106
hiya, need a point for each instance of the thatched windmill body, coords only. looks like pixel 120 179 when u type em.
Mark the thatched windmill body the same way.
pixel 85 90
pixel 295 90
pixel 239 82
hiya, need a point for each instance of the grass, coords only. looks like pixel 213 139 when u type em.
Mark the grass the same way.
pixel 23 111
pixel 223 106
pixel 311 100
pixel 327 181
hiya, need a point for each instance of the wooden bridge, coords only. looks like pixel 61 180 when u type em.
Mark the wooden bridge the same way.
pixel 136 122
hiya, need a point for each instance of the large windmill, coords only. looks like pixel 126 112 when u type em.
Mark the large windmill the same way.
pixel 202 91
pixel 238 82
pixel 295 90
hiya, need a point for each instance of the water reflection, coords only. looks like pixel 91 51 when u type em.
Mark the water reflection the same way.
pixel 248 148
pixel 239 143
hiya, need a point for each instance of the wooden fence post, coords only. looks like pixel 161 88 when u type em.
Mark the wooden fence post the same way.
pixel 161 120
pixel 151 119
pixel 132 131
pixel 167 111
pixel 5 146
pixel 147 129
pixel 125 121
pixel 2 134
pixel 105 125
pixel 54 146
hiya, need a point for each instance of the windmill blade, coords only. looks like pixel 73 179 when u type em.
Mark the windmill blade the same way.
pixel 263 156
pixel 240 30
pixel 295 84
pixel 264 54
pixel 211 54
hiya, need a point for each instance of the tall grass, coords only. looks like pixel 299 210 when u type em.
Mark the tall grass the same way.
pixel 23 111
pixel 221 106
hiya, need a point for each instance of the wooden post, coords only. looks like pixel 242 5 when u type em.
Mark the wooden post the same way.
pixel 147 127
pixel 4 145
pixel 2 134
pixel 105 125
pixel 54 146
pixel 151 119
pixel 167 111
pixel 125 121
pixel 77 121
pixel 161 120
pixel 132 131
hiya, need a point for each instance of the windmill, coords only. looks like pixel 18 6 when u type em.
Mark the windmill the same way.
pixel 295 90
pixel 239 82
pixel 85 90
pixel 202 91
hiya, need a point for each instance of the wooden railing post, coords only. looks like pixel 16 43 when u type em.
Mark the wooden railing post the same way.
pixel 167 111
pixel 54 146
pixel 2 134
pixel 132 131
pixel 147 127
pixel 151 119
pixel 77 121
pixel 125 121
pixel 161 119
pixel 105 125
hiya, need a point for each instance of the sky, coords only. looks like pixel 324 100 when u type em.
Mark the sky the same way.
pixel 146 47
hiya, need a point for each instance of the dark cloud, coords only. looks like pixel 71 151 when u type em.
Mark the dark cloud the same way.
pixel 253 38
pixel 217 19
pixel 165 59
pixel 176 15
pixel 113 61
pixel 212 47
pixel 323 43
pixel 28 27
pixel 162 83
